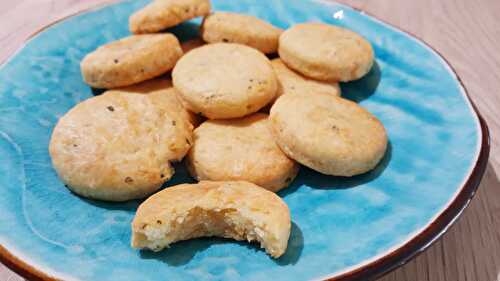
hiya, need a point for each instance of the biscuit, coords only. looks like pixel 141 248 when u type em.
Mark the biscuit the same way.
pixel 222 80
pixel 291 82
pixel 237 210
pixel 162 14
pixel 118 146
pixel 130 60
pixel 240 149
pixel 191 44
pixel 329 134
pixel 241 29
pixel 162 92
pixel 326 52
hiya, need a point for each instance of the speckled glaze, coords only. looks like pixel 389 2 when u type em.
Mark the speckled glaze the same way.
pixel 339 224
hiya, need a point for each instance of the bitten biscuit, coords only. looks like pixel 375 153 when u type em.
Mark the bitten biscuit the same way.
pixel 130 60
pixel 162 14
pixel 326 52
pixel 223 81
pixel 163 94
pixel 240 149
pixel 241 29
pixel 329 134
pixel 118 146
pixel 237 210
pixel 291 82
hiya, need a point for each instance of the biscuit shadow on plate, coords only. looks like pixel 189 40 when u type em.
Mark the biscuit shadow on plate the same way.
pixel 97 92
pixel 363 88
pixel 317 180
pixel 181 176
pixel 294 249
pixel 185 31
pixel 130 206
pixel 182 252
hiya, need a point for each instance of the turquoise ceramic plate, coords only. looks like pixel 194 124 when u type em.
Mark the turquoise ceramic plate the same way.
pixel 342 228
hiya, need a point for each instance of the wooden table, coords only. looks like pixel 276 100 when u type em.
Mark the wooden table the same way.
pixel 466 32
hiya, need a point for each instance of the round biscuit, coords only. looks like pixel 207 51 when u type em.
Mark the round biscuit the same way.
pixel 240 149
pixel 223 81
pixel 118 146
pixel 329 134
pixel 241 29
pixel 130 60
pixel 291 82
pixel 162 14
pixel 326 52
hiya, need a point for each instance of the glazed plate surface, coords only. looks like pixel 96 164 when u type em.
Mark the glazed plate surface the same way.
pixel 342 228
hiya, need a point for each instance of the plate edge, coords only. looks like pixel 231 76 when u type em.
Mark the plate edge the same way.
pixel 441 223
pixel 7 258
pixel 377 268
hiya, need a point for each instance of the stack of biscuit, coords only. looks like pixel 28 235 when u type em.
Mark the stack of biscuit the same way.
pixel 120 145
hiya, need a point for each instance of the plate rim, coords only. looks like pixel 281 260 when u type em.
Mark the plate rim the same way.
pixel 379 266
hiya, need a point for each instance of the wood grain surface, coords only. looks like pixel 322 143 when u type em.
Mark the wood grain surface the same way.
pixel 465 32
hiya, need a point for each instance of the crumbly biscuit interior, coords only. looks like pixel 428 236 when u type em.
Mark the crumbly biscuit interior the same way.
pixel 198 222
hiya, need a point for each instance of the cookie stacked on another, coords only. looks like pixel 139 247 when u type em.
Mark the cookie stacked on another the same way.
pixel 162 14
pixel 131 60
pixel 240 149
pixel 326 52
pixel 224 81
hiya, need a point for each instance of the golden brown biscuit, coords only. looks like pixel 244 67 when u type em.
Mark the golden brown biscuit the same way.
pixel 162 92
pixel 162 14
pixel 237 210
pixel 130 60
pixel 241 29
pixel 329 134
pixel 291 82
pixel 326 52
pixel 240 149
pixel 118 146
pixel 223 81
